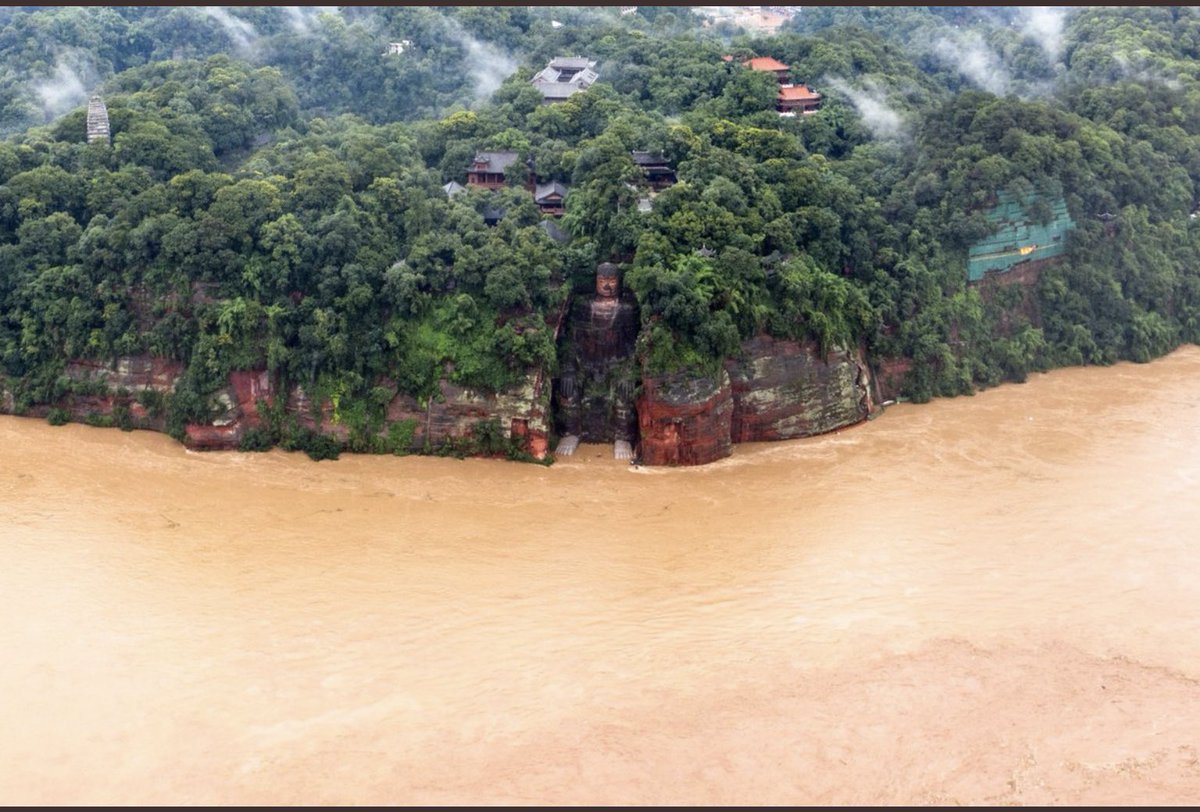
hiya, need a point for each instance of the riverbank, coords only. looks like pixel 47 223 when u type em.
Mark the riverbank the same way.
pixel 980 600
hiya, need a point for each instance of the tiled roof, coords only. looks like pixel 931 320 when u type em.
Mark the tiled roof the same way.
pixel 765 63
pixel 544 190
pixel 648 158
pixel 571 62
pixel 494 161
pixel 553 231
pixel 798 93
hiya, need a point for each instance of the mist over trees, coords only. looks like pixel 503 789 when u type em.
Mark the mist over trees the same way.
pixel 272 195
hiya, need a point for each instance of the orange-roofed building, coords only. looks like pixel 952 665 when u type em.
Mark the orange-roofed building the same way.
pixel 797 99
pixel 769 64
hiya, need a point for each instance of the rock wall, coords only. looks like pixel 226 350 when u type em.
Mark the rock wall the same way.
pixel 685 420
pixel 238 405
pixel 134 373
pixel 1024 276
pixel 116 386
pixel 775 390
pixel 783 390
pixel 889 376
pixel 521 412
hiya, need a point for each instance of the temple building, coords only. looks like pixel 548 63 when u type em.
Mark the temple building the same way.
pixel 769 64
pixel 793 98
pixel 489 169
pixel 550 197
pixel 797 99
pixel 656 169
pixel 563 77
pixel 97 121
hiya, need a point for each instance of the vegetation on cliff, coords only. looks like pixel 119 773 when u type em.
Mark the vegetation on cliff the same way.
pixel 272 195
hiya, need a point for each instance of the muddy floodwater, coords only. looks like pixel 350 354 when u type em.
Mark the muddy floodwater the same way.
pixel 986 600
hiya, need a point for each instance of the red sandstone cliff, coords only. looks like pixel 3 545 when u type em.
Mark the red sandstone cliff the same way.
pixel 1024 276
pixel 685 420
pixel 454 415
pixel 784 389
pixel 240 412
pixel 775 390
pixel 890 374
pixel 117 385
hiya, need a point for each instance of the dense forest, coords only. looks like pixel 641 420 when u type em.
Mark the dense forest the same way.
pixel 271 195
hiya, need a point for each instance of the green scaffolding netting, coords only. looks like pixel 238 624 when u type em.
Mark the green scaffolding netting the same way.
pixel 1018 238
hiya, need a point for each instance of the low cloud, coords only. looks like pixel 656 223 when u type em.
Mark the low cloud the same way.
pixel 974 60
pixel 487 65
pixel 241 32
pixel 870 100
pixel 303 19
pixel 1139 71
pixel 67 88
pixel 1045 26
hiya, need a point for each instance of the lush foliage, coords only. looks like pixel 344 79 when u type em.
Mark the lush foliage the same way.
pixel 272 194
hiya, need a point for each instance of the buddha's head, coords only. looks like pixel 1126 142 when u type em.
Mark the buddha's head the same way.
pixel 608 281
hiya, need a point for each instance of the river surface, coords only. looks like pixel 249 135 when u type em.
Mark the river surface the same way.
pixel 986 600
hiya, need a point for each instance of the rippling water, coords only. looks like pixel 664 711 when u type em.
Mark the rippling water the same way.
pixel 980 600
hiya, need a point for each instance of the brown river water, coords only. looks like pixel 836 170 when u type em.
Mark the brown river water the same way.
pixel 981 600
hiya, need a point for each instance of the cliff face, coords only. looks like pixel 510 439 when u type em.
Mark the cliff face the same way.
pixel 451 417
pixel 521 412
pixel 116 386
pixel 784 389
pixel 238 405
pixel 1024 277
pixel 133 373
pixel 776 390
pixel 685 420
pixel 890 376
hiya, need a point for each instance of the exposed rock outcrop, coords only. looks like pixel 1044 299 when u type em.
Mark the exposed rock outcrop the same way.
pixel 237 411
pixel 1025 277
pixel 116 388
pixel 783 390
pixel 775 390
pixel 685 420
pixel 453 416
pixel 521 412
pixel 889 376
pixel 133 373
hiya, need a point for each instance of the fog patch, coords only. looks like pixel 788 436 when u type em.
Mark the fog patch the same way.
pixel 486 64
pixel 68 87
pixel 303 19
pixel 1045 27
pixel 1139 71
pixel 241 32
pixel 974 60
pixel 870 100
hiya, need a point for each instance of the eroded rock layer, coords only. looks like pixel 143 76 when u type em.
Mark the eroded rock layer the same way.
pixel 783 390
pixel 685 420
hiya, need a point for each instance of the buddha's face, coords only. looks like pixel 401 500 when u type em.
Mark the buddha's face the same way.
pixel 608 287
